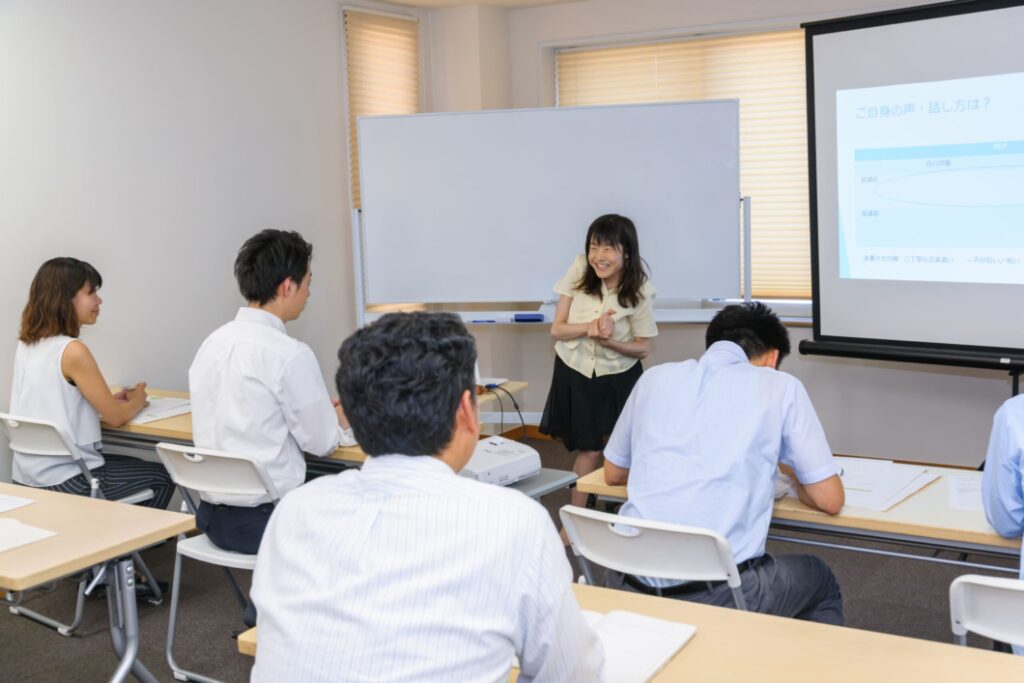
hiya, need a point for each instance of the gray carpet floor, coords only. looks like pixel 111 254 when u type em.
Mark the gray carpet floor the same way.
pixel 897 596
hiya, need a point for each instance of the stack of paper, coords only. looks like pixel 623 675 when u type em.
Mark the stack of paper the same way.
pixel 965 492
pixel 880 484
pixel 637 647
pixel 161 409
pixel 14 534
pixel 8 503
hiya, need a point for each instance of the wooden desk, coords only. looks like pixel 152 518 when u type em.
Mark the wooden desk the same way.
pixel 89 533
pixel 179 428
pixel 924 518
pixel 735 646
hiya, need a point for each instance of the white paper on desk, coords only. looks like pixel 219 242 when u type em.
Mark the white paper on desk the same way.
pixel 964 492
pixel 8 503
pixel 919 482
pixel 637 647
pixel 14 534
pixel 880 484
pixel 161 408
pixel 863 473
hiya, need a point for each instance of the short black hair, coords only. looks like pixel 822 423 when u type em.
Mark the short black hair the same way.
pixel 751 325
pixel 267 259
pixel 401 379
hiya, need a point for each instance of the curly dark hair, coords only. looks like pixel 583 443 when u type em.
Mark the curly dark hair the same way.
pixel 401 379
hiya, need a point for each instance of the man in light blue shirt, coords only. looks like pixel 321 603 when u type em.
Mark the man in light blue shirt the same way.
pixel 699 443
pixel 1001 484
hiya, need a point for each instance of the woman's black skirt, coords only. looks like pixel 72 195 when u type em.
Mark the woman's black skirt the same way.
pixel 580 410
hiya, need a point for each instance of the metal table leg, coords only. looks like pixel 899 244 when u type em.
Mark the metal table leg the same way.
pixel 124 621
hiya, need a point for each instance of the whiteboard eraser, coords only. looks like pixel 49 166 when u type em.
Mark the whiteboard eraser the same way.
pixel 528 318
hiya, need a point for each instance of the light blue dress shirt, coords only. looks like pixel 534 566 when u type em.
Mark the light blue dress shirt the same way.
pixel 1001 481
pixel 703 439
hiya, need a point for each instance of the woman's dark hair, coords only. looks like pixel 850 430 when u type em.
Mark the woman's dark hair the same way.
pixel 50 311
pixel 267 259
pixel 751 325
pixel 401 379
pixel 618 231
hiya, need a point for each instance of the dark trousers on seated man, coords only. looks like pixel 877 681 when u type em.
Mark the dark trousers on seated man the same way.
pixel 800 586
pixel 231 527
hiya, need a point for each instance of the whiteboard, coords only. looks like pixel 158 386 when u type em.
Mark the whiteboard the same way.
pixel 493 206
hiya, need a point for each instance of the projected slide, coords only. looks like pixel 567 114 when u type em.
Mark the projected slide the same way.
pixel 931 181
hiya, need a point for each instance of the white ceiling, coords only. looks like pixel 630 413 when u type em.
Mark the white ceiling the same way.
pixel 493 3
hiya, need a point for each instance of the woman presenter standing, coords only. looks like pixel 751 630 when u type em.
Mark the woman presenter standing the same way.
pixel 603 324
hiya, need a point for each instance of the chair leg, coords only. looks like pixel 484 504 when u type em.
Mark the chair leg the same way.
pixel 158 597
pixel 585 568
pixel 243 602
pixel 179 673
pixel 741 602
pixel 18 609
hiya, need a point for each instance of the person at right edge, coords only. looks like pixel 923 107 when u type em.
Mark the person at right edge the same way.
pixel 700 442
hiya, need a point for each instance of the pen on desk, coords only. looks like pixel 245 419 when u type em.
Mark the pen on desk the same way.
pixel 483 321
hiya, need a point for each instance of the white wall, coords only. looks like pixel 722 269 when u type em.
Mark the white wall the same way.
pixel 151 139
pixel 872 408
pixel 470 56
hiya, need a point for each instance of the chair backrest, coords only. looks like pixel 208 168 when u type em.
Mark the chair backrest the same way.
pixel 645 548
pixel 32 436
pixel 217 472
pixel 991 607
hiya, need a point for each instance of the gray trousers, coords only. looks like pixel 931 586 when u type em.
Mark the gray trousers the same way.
pixel 800 586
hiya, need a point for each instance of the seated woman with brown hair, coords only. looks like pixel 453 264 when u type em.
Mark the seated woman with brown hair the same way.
pixel 56 378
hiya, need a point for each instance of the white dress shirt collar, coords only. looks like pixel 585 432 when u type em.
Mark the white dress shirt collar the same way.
pixel 724 353
pixel 248 314
pixel 406 464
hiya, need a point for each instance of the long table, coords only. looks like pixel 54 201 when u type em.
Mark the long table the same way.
pixel 90 533
pixel 731 645
pixel 178 429
pixel 924 520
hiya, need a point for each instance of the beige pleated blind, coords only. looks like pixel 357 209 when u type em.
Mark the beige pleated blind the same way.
pixel 766 72
pixel 382 61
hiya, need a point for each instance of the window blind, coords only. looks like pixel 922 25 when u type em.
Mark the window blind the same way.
pixel 382 64
pixel 766 72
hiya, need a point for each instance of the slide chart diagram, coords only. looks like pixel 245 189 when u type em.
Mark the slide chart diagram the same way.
pixel 933 190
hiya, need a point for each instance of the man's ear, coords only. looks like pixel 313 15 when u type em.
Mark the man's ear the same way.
pixel 467 416
pixel 286 288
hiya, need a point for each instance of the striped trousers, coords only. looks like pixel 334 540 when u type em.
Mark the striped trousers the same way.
pixel 122 476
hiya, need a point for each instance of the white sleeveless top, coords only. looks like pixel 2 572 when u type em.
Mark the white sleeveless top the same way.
pixel 39 390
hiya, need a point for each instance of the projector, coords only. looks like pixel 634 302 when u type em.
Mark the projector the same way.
pixel 501 461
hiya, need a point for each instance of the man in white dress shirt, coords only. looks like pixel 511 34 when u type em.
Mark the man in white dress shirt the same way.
pixel 258 392
pixel 404 571
pixel 699 443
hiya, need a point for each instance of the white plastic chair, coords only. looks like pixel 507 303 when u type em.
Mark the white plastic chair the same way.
pixel 31 436
pixel 207 471
pixel 988 606
pixel 645 548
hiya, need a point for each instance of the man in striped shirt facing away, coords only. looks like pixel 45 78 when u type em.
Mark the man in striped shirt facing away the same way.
pixel 403 571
